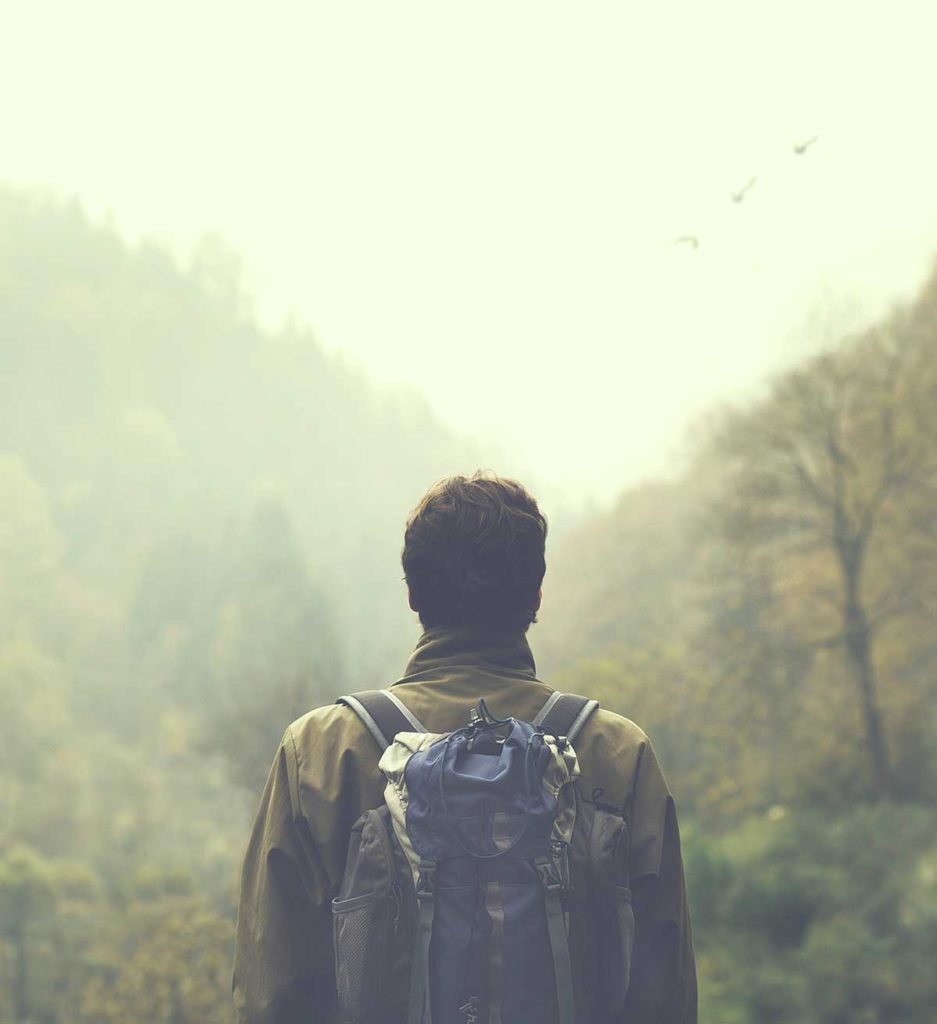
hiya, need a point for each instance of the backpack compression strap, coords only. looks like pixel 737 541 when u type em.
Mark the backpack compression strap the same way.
pixel 565 714
pixel 384 714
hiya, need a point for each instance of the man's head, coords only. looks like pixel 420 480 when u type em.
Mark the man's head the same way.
pixel 473 554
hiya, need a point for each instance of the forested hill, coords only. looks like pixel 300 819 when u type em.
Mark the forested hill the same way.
pixel 200 526
pixel 196 512
pixel 769 619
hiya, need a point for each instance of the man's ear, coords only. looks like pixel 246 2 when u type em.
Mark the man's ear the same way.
pixel 539 600
pixel 413 607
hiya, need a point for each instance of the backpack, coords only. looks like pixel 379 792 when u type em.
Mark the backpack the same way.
pixel 486 889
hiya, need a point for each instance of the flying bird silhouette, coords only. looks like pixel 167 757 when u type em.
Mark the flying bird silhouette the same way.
pixel 690 240
pixel 801 147
pixel 737 197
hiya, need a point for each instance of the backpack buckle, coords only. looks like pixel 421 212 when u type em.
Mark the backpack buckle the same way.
pixel 560 851
pixel 547 874
pixel 426 880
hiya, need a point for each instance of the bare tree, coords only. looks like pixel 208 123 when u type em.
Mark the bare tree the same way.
pixel 831 471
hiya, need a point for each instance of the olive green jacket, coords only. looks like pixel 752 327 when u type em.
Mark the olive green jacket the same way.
pixel 325 776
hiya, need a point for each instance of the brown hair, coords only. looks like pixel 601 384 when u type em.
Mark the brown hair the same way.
pixel 473 554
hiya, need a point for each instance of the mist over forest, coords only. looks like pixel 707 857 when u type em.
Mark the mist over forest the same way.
pixel 200 527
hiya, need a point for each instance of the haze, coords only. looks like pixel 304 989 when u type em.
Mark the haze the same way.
pixel 480 202
pixel 399 241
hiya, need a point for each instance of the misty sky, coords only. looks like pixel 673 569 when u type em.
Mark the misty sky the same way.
pixel 481 200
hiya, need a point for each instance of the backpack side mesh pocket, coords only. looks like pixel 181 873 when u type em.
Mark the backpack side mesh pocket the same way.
pixel 368 925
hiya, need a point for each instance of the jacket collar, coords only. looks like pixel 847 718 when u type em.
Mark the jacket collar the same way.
pixel 442 648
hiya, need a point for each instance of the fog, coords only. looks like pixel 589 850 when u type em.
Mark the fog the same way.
pixel 267 273
pixel 483 205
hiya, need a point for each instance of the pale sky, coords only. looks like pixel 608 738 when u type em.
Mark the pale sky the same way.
pixel 480 200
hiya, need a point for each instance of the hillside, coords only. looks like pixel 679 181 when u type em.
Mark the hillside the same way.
pixel 173 446
pixel 768 619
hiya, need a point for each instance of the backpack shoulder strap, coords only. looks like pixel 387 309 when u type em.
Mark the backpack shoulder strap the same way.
pixel 565 714
pixel 383 713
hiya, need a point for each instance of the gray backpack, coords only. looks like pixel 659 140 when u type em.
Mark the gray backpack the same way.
pixel 486 889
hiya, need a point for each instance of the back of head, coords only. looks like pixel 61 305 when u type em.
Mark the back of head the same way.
pixel 473 554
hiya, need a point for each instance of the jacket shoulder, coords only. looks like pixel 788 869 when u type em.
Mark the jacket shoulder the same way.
pixel 327 728
pixel 327 744
pixel 614 753
pixel 616 729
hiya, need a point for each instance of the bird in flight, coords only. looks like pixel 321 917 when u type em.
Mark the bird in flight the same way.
pixel 801 147
pixel 690 240
pixel 737 197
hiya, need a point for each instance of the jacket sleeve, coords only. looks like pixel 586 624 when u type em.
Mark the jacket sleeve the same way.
pixel 283 910
pixel 663 966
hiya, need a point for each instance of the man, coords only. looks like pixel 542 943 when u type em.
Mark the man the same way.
pixel 473 558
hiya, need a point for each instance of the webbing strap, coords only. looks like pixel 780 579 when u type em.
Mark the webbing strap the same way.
pixel 559 946
pixel 415 723
pixel 547 708
pixel 419 972
pixel 383 713
pixel 494 905
pixel 580 720
pixel 565 714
